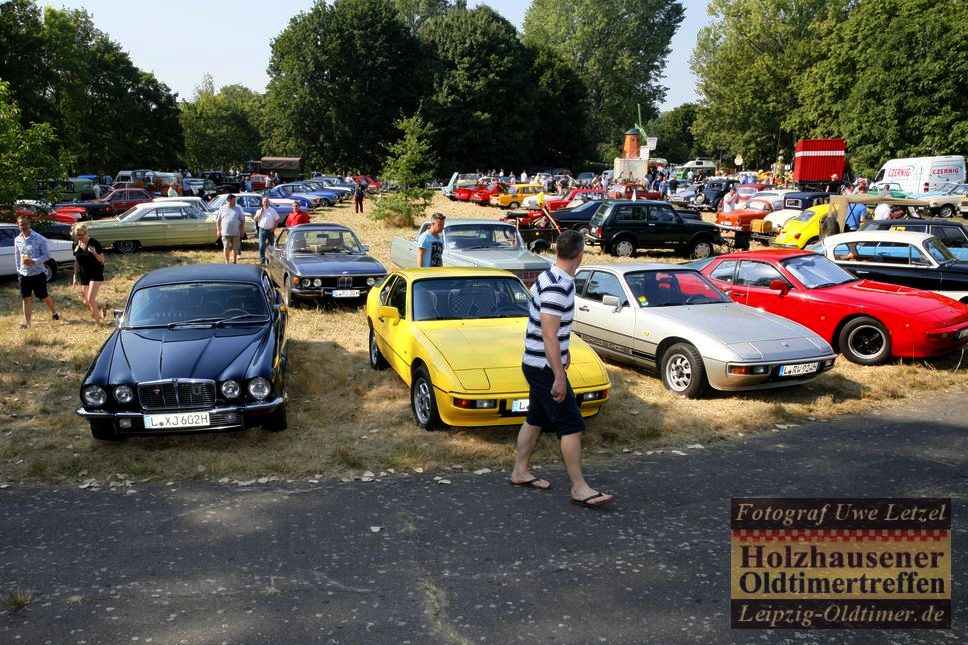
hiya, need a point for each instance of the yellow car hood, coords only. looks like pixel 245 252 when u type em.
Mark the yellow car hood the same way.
pixel 486 354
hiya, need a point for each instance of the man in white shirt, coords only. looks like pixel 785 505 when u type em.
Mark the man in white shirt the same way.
pixel 729 200
pixel 266 219
pixel 882 211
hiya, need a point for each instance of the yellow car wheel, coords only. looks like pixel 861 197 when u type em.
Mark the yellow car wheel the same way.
pixel 423 402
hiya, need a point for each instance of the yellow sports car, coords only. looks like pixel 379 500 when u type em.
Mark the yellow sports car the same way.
pixel 161 223
pixel 456 337
pixel 515 195
pixel 802 230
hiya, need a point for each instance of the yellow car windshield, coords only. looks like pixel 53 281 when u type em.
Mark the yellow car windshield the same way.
pixel 469 298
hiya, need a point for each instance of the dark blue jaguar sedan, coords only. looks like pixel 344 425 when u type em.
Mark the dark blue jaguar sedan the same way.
pixel 322 261
pixel 198 348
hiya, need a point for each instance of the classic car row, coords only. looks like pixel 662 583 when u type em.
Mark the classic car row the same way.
pixel 202 348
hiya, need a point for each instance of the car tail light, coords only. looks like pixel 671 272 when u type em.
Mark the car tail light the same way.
pixel 925 186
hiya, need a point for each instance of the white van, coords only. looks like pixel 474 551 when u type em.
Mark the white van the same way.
pixel 923 174
pixel 707 167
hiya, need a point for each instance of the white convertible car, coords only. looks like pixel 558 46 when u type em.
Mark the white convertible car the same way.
pixel 673 320
pixel 61 253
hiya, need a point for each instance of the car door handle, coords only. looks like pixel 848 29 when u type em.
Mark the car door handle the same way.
pixel 583 308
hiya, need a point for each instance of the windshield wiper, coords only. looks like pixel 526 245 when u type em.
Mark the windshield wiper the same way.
pixel 194 321
pixel 242 317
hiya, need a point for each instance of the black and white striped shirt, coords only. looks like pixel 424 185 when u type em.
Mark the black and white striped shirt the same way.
pixel 552 293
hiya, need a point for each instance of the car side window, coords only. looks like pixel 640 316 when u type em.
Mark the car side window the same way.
pixel 757 274
pixel 954 237
pixel 281 239
pixel 724 271
pixel 6 237
pixel 625 213
pixel 398 296
pixel 387 288
pixel 581 278
pixel 661 214
pixel 604 284
pixel 152 216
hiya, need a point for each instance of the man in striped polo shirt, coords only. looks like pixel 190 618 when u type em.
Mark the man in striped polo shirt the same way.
pixel 552 402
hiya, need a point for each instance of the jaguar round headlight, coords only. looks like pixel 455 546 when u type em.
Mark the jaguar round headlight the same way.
pixel 370 282
pixel 317 282
pixel 94 396
pixel 123 394
pixel 231 389
pixel 306 282
pixel 259 388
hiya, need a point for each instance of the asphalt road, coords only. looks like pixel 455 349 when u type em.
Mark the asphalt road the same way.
pixel 473 561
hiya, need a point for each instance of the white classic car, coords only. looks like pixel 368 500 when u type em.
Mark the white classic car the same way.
pixel 673 320
pixel 61 253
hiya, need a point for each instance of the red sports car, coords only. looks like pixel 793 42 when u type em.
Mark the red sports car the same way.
pixel 866 321
pixel 482 196
pixel 556 204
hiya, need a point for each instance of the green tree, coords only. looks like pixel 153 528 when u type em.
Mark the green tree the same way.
pixel 674 131
pixel 747 60
pixel 415 13
pixel 563 135
pixel 221 128
pixel 890 79
pixel 482 103
pixel 618 49
pixel 410 163
pixel 341 74
pixel 24 63
pixel 25 153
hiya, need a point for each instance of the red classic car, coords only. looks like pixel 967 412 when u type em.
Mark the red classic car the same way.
pixel 115 203
pixel 628 191
pixel 866 321
pixel 756 208
pixel 372 184
pixel 482 196
pixel 556 204
pixel 463 193
pixel 36 211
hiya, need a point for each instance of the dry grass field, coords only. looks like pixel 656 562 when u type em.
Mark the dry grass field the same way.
pixel 345 418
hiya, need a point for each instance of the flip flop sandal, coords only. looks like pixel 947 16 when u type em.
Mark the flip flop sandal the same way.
pixel 531 483
pixel 585 502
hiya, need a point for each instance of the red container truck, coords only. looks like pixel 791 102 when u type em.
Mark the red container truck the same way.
pixel 815 161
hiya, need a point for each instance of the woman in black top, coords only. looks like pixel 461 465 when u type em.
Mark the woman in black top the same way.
pixel 88 269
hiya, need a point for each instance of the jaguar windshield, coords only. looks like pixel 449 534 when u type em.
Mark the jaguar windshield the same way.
pixel 195 303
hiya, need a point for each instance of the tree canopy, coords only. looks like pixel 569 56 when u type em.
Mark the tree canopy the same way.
pixel 221 128
pixel 617 48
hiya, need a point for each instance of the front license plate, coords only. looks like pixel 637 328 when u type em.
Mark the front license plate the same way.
pixel 963 333
pixel 346 293
pixel 181 420
pixel 519 405
pixel 797 370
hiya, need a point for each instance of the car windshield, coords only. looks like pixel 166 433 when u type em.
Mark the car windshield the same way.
pixel 469 298
pixel 816 271
pixel 805 216
pixel 482 236
pixel 195 302
pixel 937 249
pixel 747 191
pixel 672 288
pixel 959 189
pixel 599 215
pixel 324 241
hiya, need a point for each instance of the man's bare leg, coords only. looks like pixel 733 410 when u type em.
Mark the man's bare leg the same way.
pixel 571 453
pixel 528 438
pixel 28 309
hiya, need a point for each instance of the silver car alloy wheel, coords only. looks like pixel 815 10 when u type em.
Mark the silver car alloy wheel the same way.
pixel 421 401
pixel 702 250
pixel 374 350
pixel 866 342
pixel 679 372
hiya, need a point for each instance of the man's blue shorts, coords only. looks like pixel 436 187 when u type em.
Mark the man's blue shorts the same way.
pixel 565 417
